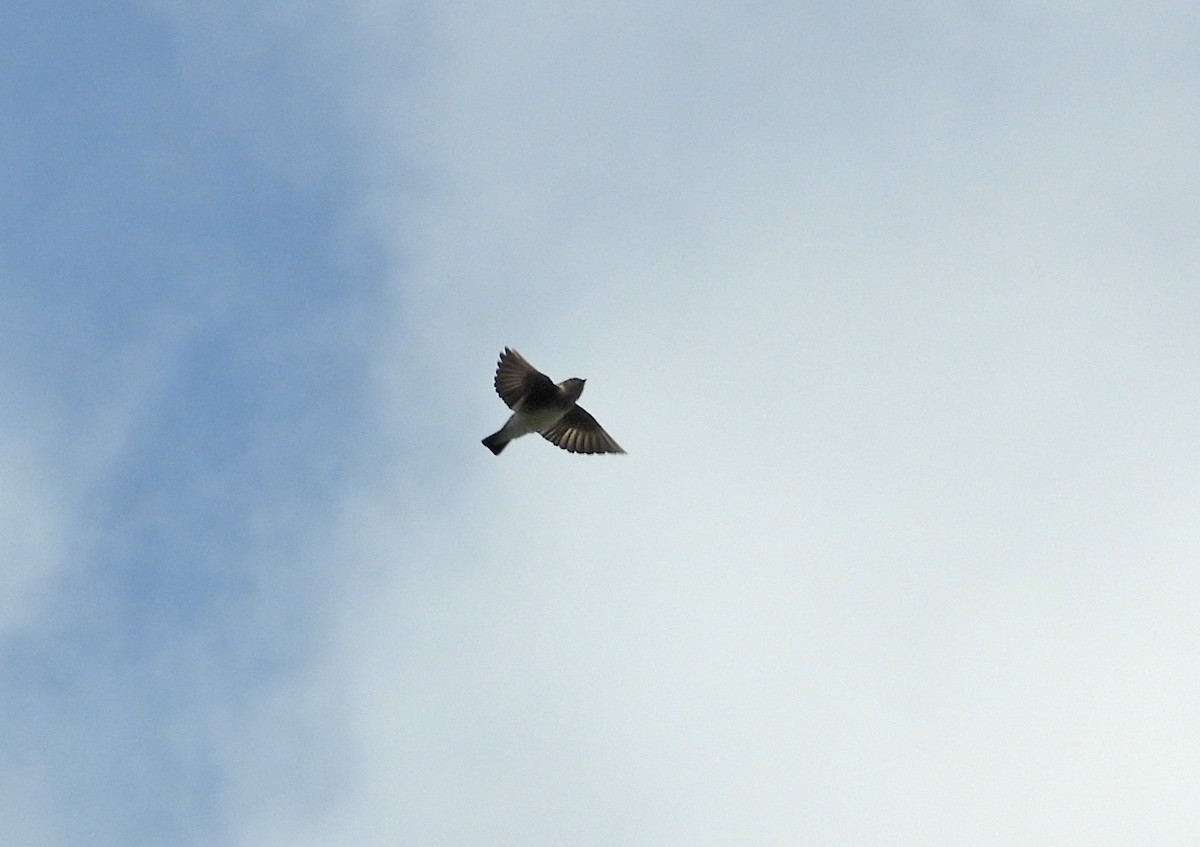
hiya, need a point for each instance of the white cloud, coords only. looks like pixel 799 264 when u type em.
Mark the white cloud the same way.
pixel 56 452
pixel 890 310
pixel 32 538
pixel 906 432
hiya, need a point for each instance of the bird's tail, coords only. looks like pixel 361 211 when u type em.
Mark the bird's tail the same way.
pixel 496 442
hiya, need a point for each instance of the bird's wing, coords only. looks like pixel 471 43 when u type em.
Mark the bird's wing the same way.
pixel 517 379
pixel 578 432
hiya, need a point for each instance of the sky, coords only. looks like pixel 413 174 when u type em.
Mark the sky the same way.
pixel 894 310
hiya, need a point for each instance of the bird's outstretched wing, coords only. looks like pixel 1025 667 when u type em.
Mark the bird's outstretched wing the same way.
pixel 578 432
pixel 518 380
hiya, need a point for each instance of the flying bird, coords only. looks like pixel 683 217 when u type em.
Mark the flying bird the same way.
pixel 540 406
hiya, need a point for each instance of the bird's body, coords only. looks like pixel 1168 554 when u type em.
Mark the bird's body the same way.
pixel 539 405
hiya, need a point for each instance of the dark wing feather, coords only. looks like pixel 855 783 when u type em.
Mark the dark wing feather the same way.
pixel 578 432
pixel 517 379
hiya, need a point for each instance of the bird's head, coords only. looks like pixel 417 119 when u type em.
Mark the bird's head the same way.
pixel 573 387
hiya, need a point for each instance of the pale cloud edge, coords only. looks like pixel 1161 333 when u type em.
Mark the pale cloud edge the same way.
pixel 941 571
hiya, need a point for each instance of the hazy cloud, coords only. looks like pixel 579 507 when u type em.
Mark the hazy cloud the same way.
pixel 892 309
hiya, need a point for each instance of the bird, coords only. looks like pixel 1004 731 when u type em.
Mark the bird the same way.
pixel 539 405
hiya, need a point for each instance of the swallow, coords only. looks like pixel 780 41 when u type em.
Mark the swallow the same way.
pixel 539 405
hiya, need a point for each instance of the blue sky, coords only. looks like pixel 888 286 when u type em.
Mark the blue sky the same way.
pixel 893 309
